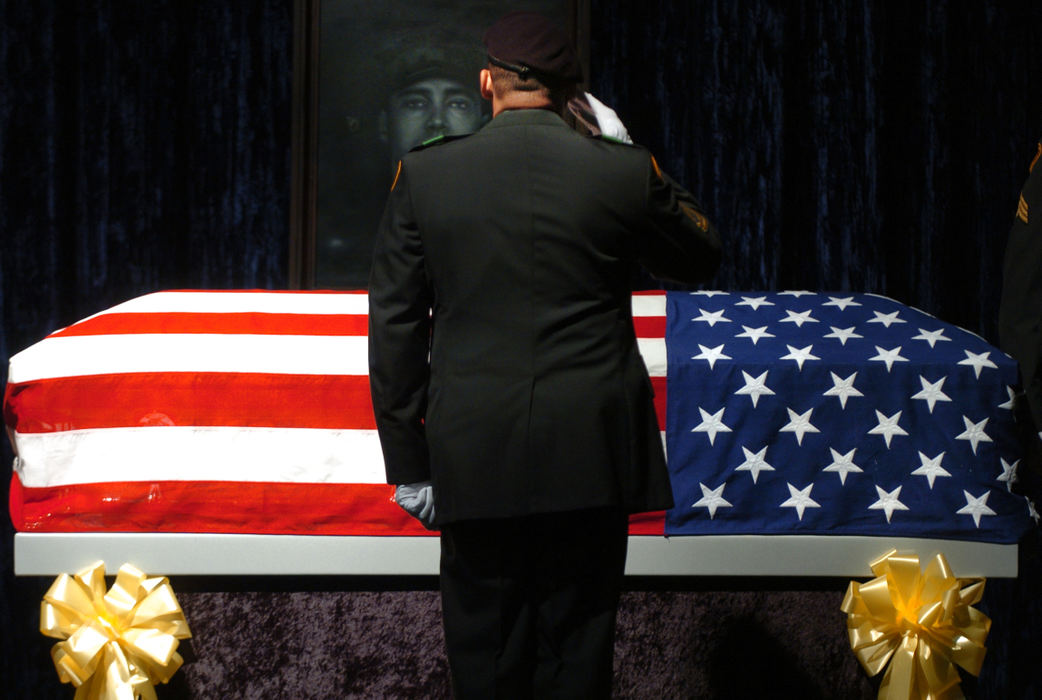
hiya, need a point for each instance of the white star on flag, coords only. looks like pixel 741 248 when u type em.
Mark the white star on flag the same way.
pixel 843 388
pixel 755 387
pixel 888 502
pixel 842 465
pixel 978 361
pixel 886 319
pixel 1009 473
pixel 754 463
pixel 798 318
pixel 931 392
pixel 801 355
pixel 711 317
pixel 754 334
pixel 800 499
pixel 930 468
pixel 711 354
pixel 931 336
pixel 707 293
pixel 711 499
pixel 711 424
pixel 755 302
pixel 887 427
pixel 842 303
pixel 795 293
pixel 1008 405
pixel 843 334
pixel 974 433
pixel 800 424
pixel 976 506
pixel 888 356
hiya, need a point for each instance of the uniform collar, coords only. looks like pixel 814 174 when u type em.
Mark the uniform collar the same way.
pixel 526 117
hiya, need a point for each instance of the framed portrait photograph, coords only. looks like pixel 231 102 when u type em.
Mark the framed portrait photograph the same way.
pixel 372 81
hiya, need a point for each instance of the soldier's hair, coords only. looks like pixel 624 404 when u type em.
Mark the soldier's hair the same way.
pixel 505 80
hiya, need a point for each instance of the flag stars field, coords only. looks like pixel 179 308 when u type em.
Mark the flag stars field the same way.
pixel 861 415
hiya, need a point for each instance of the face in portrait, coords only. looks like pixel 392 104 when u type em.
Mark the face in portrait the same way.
pixel 428 108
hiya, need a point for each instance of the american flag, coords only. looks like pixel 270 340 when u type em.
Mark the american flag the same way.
pixel 823 414
pixel 249 412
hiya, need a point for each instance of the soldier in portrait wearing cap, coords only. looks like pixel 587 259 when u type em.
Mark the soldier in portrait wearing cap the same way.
pixel 514 410
pixel 432 90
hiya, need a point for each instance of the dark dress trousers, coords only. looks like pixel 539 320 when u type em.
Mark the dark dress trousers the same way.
pixel 504 367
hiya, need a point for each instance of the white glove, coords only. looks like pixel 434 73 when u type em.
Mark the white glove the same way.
pixel 598 117
pixel 417 500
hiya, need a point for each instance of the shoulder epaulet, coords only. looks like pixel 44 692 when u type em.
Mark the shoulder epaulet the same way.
pixel 437 141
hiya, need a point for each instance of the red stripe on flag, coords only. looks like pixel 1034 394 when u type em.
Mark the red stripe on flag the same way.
pixel 212 506
pixel 649 326
pixel 658 385
pixel 230 508
pixel 190 398
pixel 653 523
pixel 219 323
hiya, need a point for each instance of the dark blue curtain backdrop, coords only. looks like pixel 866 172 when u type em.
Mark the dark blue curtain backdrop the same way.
pixel 856 146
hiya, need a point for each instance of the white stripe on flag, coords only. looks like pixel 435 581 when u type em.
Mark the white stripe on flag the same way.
pixel 653 350
pixel 72 356
pixel 192 453
pixel 241 302
pixel 649 304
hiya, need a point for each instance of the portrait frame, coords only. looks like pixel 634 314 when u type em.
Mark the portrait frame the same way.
pixel 317 219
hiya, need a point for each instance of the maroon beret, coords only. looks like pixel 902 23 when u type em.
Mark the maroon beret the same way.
pixel 528 41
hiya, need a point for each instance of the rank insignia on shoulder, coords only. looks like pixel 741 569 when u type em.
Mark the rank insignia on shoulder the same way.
pixel 438 140
pixel 1022 209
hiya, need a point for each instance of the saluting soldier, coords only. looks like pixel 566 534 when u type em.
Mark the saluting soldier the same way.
pixel 1020 321
pixel 514 409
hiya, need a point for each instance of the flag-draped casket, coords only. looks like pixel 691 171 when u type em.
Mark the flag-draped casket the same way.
pixel 249 412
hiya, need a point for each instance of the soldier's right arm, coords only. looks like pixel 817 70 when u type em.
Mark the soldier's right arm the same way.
pixel 682 245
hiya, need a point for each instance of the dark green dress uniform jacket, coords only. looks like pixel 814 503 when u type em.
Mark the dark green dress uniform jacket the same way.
pixel 503 362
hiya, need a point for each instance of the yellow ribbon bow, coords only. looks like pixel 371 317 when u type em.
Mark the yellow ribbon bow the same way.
pixel 921 622
pixel 118 644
